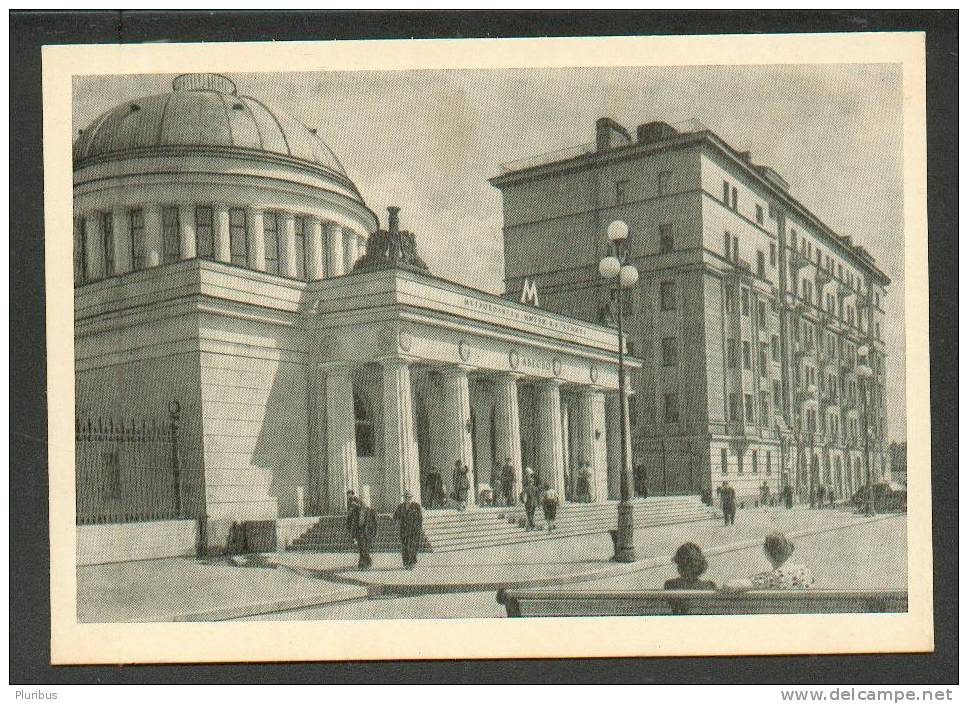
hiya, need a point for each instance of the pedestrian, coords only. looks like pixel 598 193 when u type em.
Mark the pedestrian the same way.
pixel 507 482
pixel 584 483
pixel 727 498
pixel 764 494
pixel 410 517
pixel 788 496
pixel 437 496
pixel 461 484
pixel 549 504
pixel 529 497
pixel 361 523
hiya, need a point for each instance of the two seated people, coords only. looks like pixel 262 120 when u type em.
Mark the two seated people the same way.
pixel 692 564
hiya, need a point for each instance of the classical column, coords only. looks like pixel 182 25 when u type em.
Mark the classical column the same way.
pixel 186 226
pixel 334 250
pixel 287 246
pixel 482 433
pixel 255 238
pixel 399 436
pixel 550 448
pixel 566 456
pixel 613 446
pixel 591 440
pixel 222 239
pixel 507 425
pixel 93 247
pixel 341 468
pixel 153 243
pixel 121 222
pixel 457 426
pixel 349 249
pixel 315 251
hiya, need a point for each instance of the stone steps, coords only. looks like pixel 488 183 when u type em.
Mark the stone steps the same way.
pixel 446 531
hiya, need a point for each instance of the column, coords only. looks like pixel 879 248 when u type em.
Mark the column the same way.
pixel 457 426
pixel 223 243
pixel 287 246
pixel 334 250
pixel 93 247
pixel 591 440
pixel 153 244
pixel 550 447
pixel 480 402
pixel 255 238
pixel 349 249
pixel 566 456
pixel 186 231
pixel 315 252
pixel 121 222
pixel 612 446
pixel 341 469
pixel 399 436
pixel 507 425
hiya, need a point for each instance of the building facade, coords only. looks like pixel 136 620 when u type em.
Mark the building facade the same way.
pixel 225 260
pixel 748 315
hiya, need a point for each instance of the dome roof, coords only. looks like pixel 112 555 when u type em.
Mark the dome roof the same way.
pixel 202 110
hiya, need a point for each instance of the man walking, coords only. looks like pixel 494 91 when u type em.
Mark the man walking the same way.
pixel 410 517
pixel 529 497
pixel 361 523
pixel 727 497
pixel 462 483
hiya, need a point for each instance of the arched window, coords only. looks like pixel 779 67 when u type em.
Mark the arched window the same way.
pixel 364 426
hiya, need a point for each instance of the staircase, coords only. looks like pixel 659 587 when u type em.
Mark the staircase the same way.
pixel 446 530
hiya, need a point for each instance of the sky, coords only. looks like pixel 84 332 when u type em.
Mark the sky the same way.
pixel 427 141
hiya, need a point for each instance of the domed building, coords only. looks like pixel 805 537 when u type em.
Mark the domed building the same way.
pixel 228 268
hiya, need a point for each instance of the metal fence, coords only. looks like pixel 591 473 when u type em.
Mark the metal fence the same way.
pixel 129 470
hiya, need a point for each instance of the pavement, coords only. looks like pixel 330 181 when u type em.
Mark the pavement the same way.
pixel 442 584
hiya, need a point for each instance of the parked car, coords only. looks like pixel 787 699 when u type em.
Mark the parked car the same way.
pixel 887 497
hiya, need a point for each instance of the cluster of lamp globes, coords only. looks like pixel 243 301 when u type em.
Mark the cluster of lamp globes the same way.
pixel 611 266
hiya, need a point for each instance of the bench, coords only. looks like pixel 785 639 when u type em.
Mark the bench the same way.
pixel 564 602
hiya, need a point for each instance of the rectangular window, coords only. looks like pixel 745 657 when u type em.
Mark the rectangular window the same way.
pixel 749 408
pixel 137 239
pixel 765 408
pixel 107 240
pixel 775 348
pixel 739 461
pixel 761 311
pixel 270 229
pixel 731 354
pixel 667 295
pixel 237 236
pixel 726 242
pixel 300 248
pixel 772 254
pixel 747 361
pixel 760 264
pixel 726 193
pixel 763 355
pixel 169 234
pixel 745 295
pixel 730 297
pixel 777 393
pixel 759 215
pixel 204 232
pixel 80 251
pixel 671 408
pixel 735 248
pixel 769 462
pixel 665 238
pixel 735 198
pixel 621 192
pixel 670 355
pixel 664 183
pixel 734 412
pixel 754 458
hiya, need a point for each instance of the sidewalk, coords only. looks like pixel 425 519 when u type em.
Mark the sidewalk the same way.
pixel 567 561
pixel 183 589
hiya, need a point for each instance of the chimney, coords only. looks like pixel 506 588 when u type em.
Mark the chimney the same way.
pixel 393 224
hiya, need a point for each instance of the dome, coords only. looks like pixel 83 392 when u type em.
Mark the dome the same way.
pixel 203 110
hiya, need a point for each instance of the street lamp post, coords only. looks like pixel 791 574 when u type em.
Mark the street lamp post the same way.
pixel 864 373
pixel 625 276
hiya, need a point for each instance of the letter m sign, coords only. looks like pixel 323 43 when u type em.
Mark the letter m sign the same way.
pixel 529 293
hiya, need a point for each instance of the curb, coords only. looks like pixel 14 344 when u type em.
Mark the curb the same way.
pixel 233 612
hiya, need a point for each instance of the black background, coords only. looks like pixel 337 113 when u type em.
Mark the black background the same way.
pixel 29 555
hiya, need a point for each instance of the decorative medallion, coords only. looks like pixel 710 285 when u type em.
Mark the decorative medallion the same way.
pixel 513 359
pixel 556 366
pixel 464 350
pixel 593 373
pixel 405 340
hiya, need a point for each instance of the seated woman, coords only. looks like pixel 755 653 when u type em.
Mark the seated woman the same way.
pixel 778 550
pixel 691 564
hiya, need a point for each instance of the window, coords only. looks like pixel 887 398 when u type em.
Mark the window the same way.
pixel 204 229
pixel 731 354
pixel 80 251
pixel 777 393
pixel 735 414
pixel 730 299
pixel 765 408
pixel 760 264
pixel 237 237
pixel 621 192
pixel 365 446
pixel 667 295
pixel 769 462
pixel 749 408
pixel 763 355
pixel 840 271
pixel 772 253
pixel 739 461
pixel 107 240
pixel 735 198
pixel 665 238
pixel 669 352
pixel 753 457
pixel 137 239
pixel 270 228
pixel 300 232
pixel 747 361
pixel 746 301
pixel 759 215
pixel 726 240
pixel 671 402
pixel 726 193
pixel 724 461
pixel 169 235
pixel 761 313
pixel 735 248
pixel 664 182
pixel 775 348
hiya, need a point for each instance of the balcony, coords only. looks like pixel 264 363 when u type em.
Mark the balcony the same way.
pixel 798 260
pixel 824 277
pixel 844 291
